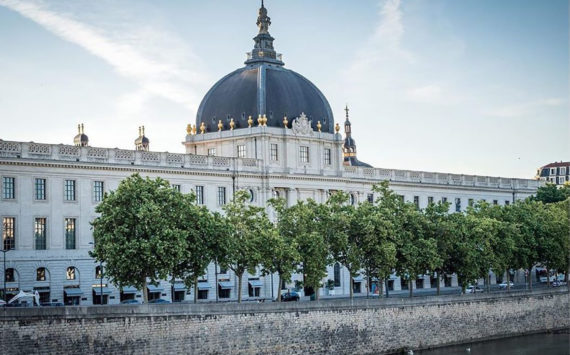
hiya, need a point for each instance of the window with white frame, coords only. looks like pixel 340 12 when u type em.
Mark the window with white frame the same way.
pixel 69 190
pixel 241 151
pixel 221 195
pixel 9 233
pixel 327 156
pixel 176 187
pixel 552 171
pixel 417 201
pixel 40 231
pixel 69 225
pixel 444 199
pixel 212 151
pixel 40 189
pixel 304 154
pixel 8 188
pixel 370 198
pixel 561 180
pixel 430 200
pixel 562 170
pixel 273 152
pixel 200 195
pixel 70 273
pixel 458 204
pixel 98 191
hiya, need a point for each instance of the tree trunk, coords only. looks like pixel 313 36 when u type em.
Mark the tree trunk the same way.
pixel 508 275
pixel 216 279
pixel 380 288
pixel 367 285
pixel 547 277
pixel 278 288
pixel 488 283
pixel 350 283
pixel 239 287
pixel 411 288
pixel 316 291
pixel 196 289
pixel 438 281
pixel 530 279
pixel 144 290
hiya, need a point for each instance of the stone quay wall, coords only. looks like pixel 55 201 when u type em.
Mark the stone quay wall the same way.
pixel 333 326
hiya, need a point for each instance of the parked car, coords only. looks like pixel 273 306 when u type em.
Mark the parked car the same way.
pixel 290 296
pixel 555 283
pixel 503 285
pixel 132 301
pixel 159 300
pixel 473 289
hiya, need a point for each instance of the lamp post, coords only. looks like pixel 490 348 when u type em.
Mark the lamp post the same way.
pixel 4 251
pixel 100 278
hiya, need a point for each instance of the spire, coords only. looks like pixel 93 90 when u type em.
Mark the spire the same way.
pixel 81 140
pixel 142 142
pixel 263 50
pixel 349 146
pixel 347 124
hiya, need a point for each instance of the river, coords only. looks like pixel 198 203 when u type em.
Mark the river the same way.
pixel 536 344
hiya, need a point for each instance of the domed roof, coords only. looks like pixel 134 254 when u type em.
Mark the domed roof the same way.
pixel 264 87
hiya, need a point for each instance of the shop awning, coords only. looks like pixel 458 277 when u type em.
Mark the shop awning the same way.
pixel 106 291
pixel 225 285
pixel 256 283
pixel 129 290
pixel 357 279
pixel 153 288
pixel 204 286
pixel 179 287
pixel 73 292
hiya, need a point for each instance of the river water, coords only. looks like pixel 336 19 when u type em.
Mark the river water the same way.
pixel 536 344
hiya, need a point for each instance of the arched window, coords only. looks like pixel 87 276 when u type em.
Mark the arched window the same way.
pixel 337 275
pixel 70 273
pixel 352 199
pixel 41 274
pixel 98 273
pixel 10 275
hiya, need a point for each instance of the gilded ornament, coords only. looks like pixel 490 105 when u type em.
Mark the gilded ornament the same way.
pixel 264 120
pixel 285 121
pixel 193 129
pixel 319 125
pixel 220 125
pixel 232 124
pixel 202 128
pixel 249 121
pixel 259 120
pixel 337 128
pixel 189 129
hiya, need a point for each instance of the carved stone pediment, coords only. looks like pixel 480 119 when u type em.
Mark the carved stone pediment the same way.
pixel 302 126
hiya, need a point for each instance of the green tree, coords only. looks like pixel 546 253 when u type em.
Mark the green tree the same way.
pixel 437 228
pixel 206 239
pixel 342 240
pixel 138 235
pixel 279 251
pixel 550 193
pixel 249 227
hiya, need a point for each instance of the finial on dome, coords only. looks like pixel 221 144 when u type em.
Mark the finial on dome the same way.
pixel 319 125
pixel 337 128
pixel 81 140
pixel 142 142
pixel 78 128
pixel 346 110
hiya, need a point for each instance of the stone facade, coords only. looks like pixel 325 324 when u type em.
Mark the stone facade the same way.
pixel 340 327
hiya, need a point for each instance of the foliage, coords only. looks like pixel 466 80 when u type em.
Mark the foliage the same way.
pixel 138 234
pixel 550 193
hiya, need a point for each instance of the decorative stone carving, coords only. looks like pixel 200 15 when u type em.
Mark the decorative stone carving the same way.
pixel 302 126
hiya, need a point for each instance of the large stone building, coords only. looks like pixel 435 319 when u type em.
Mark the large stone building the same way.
pixel 557 173
pixel 263 128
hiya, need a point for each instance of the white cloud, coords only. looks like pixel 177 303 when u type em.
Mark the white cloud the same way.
pixel 524 108
pixel 159 63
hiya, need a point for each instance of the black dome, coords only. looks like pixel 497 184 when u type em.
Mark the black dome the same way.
pixel 262 88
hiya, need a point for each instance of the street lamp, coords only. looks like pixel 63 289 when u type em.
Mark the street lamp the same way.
pixel 101 277
pixel 4 251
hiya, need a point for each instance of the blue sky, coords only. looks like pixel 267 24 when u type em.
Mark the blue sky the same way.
pixel 471 86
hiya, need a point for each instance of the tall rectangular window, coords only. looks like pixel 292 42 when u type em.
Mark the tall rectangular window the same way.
pixel 98 191
pixel 563 170
pixel 370 198
pixel 40 233
pixel 507 202
pixel 70 190
pixel 200 195
pixel 304 154
pixel 40 189
pixel 273 152
pixel 327 156
pixel 69 233
pixel 221 195
pixel 176 187
pixel 430 200
pixel 417 201
pixel 212 151
pixel 495 202
pixel 470 202
pixel 241 151
pixel 457 204
pixel 444 199
pixel 8 188
pixel 9 232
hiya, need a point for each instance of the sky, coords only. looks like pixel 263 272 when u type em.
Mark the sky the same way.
pixel 468 87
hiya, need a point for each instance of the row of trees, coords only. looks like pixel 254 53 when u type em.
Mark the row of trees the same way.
pixel 148 232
